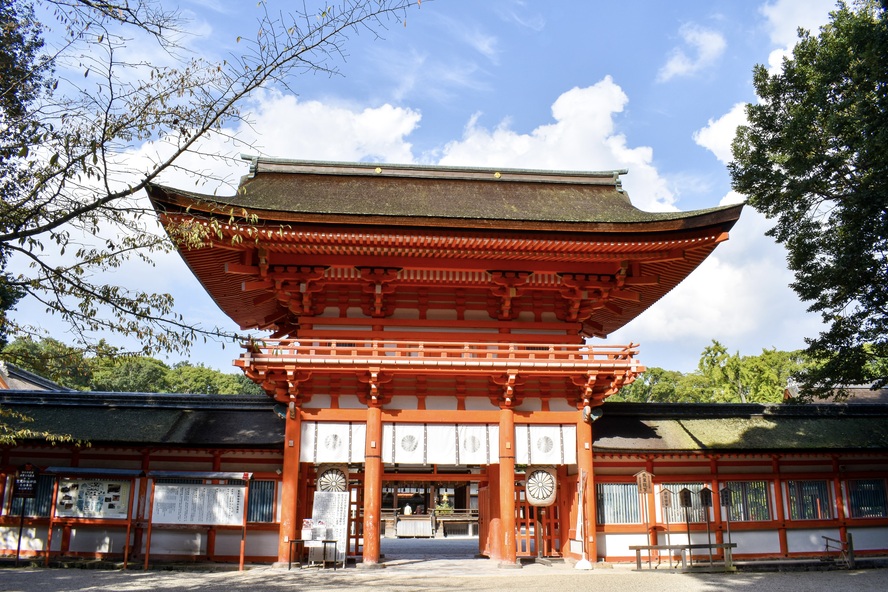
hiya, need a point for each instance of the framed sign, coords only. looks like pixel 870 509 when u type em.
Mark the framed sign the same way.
pixel 26 482
pixel 93 498
pixel 198 504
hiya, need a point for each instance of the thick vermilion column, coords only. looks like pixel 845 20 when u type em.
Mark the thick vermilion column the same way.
pixel 493 547
pixel 509 550
pixel 585 463
pixel 372 486
pixel 290 484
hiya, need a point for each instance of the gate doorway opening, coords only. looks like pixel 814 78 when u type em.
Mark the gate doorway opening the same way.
pixel 430 514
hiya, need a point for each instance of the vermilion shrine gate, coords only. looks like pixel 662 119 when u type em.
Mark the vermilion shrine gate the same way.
pixel 433 324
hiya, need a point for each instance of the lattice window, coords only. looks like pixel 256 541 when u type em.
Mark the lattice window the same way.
pixel 809 500
pixel 618 503
pixel 749 501
pixel 867 499
pixel 695 513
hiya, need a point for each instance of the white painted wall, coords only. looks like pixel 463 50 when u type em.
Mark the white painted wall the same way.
pixel 869 538
pixel 809 541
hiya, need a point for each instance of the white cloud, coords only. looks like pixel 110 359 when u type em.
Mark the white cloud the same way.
pixel 280 125
pixel 520 14
pixel 411 74
pixel 739 296
pixel 483 43
pixel 583 137
pixel 719 133
pixel 283 125
pixel 705 46
pixel 783 18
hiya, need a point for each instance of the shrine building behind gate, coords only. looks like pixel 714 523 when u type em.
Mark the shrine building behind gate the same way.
pixel 437 330
pixel 433 324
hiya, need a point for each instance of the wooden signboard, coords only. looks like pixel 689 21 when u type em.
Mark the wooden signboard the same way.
pixel 93 498
pixel 331 509
pixel 209 505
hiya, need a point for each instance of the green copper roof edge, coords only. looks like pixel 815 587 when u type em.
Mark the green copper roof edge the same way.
pixel 434 171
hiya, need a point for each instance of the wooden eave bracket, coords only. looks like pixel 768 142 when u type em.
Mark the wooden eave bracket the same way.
pixel 374 378
pixel 506 288
pixel 281 385
pixel 506 397
pixel 379 282
pixel 295 286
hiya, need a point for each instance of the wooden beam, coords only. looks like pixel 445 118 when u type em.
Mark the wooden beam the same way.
pixel 257 285
pixel 241 269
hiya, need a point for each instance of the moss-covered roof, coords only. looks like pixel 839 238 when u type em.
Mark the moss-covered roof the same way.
pixel 744 428
pixel 250 422
pixel 151 419
pixel 278 188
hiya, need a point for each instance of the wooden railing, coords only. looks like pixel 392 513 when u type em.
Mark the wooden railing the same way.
pixel 390 352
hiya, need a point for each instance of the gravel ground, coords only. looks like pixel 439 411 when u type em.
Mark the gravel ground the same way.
pixel 429 565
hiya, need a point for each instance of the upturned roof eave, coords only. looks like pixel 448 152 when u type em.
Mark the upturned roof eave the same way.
pixel 177 201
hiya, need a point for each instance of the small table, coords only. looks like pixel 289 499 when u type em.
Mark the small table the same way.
pixel 300 544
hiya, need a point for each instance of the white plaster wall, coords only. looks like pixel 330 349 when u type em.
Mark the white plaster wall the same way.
pixel 530 405
pixel 480 404
pixel 317 402
pixel 350 402
pixel 171 542
pixel 261 544
pixel 755 541
pixel 560 405
pixel 617 545
pixel 440 403
pixel 33 539
pixel 401 402
pixel 869 538
pixel 96 540
pixel 809 541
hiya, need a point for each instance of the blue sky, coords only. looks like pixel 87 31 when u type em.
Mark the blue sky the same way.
pixel 653 86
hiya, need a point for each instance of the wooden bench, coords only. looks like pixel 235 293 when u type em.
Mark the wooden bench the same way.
pixel 685 552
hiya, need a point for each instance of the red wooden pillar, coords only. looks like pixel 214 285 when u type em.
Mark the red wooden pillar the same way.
pixel 779 508
pixel 372 486
pixel 290 484
pixel 566 493
pixel 840 499
pixel 507 486
pixel 493 544
pixel 585 463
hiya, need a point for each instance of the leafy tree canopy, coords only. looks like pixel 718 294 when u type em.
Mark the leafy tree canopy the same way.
pixel 720 377
pixel 22 72
pixel 814 158
pixel 74 113
pixel 109 371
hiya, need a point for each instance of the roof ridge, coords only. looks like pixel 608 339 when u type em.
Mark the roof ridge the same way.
pixel 263 164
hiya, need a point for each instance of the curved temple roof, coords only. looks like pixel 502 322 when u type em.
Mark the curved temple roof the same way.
pixel 306 213
pixel 462 197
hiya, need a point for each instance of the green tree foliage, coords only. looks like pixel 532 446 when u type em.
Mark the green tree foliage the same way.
pixel 130 374
pixel 721 377
pixel 20 46
pixel 655 385
pixel 72 204
pixel 814 157
pixel 185 378
pixel 111 372
pixel 51 359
